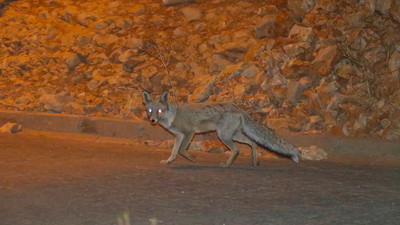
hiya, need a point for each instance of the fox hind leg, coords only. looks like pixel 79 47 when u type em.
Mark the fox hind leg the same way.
pixel 235 152
pixel 226 133
pixel 240 137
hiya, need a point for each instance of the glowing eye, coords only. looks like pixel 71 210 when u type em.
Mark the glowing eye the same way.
pixel 159 111
pixel 149 110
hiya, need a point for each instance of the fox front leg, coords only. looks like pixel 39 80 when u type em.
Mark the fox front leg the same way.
pixel 178 142
pixel 185 144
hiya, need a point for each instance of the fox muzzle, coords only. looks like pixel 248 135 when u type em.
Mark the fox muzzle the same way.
pixel 153 120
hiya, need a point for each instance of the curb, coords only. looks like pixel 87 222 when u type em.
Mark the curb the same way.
pixel 84 124
pixel 130 129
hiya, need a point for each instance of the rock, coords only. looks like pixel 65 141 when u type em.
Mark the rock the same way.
pixel 149 71
pixel 11 128
pixel 279 93
pixel 300 7
pixel 197 69
pixel 324 61
pixel 241 34
pixel 297 67
pixel 100 26
pixel 95 106
pixel 137 9
pixel 129 66
pixel 394 64
pixel 165 144
pixel 158 19
pixel 265 28
pixel 72 60
pixel 389 134
pixel 295 50
pixel 239 91
pixel 375 54
pixel 125 56
pixel 382 6
pixel 314 123
pixel 395 10
pixel 233 51
pixel 97 80
pixel 268 10
pixel 305 83
pixel 326 5
pixel 217 40
pixel 124 23
pixel 232 71
pixel 175 2
pixel 361 123
pixel 336 130
pixel 277 123
pixel 344 69
pixel 205 88
pixel 21 5
pixel 302 34
pixel 330 118
pixel 218 63
pixel 196 145
pixel 313 153
pixel 182 67
pixel 53 103
pixel 191 14
pixel 326 91
pixel 250 71
pixel 278 80
pixel 215 147
pixel 83 40
pixel 293 91
pixel 314 102
pixel 106 41
pixel 179 31
pixel 74 108
pixel 134 43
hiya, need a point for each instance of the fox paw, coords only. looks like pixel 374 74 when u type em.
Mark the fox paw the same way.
pixel 192 158
pixel 164 162
pixel 224 165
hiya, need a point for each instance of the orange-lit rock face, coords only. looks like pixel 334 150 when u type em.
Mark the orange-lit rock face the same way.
pixel 335 60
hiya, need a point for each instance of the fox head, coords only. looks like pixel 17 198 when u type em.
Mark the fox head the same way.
pixel 158 110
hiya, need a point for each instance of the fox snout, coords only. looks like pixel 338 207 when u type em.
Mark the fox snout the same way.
pixel 153 120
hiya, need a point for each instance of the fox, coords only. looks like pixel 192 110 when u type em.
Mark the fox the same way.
pixel 231 124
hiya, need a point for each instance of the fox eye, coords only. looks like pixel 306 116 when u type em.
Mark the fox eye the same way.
pixel 160 111
pixel 150 110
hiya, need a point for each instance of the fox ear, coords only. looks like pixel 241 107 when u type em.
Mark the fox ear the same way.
pixel 164 97
pixel 147 98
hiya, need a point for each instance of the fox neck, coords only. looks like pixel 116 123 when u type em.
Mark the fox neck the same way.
pixel 169 116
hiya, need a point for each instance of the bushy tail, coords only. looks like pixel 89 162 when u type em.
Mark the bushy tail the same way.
pixel 267 138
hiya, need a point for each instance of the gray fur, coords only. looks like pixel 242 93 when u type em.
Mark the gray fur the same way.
pixel 267 138
pixel 230 123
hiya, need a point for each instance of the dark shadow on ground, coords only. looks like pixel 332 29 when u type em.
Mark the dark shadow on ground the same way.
pixel 216 168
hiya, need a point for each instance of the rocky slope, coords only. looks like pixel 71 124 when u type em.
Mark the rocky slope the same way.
pixel 302 65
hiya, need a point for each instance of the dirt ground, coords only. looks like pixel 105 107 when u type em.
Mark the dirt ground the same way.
pixel 58 179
